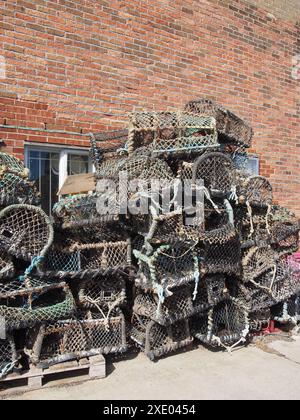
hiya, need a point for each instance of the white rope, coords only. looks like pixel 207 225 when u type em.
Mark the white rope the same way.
pixel 267 219
pixel 249 208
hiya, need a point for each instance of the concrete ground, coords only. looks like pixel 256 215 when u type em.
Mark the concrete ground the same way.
pixel 268 370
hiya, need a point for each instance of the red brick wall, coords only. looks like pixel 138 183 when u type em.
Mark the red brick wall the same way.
pixel 82 65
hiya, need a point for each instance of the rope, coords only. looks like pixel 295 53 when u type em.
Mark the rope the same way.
pixel 267 219
pixel 250 214
pixel 110 308
pixel 34 263
pixel 7 368
pixel 197 277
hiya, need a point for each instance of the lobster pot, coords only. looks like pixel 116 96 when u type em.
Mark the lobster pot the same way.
pixel 25 231
pixel 156 340
pixel 88 335
pixel 8 355
pixel 257 261
pixel 90 259
pixel 220 251
pixel 11 164
pixel 169 266
pixel 106 291
pixel 285 237
pixel 16 190
pixel 256 190
pixel 259 320
pixel 86 211
pixel 217 172
pixel 224 325
pixel 110 152
pixel 34 301
pixel 170 227
pixel 287 312
pixel 253 226
pixel 212 290
pixel 171 133
pixel 230 127
pixel 7 269
pixel 184 302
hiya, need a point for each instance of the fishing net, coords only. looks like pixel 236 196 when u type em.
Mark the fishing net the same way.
pixel 171 133
pixel 167 267
pixel 225 325
pixel 25 231
pixel 16 190
pixel 257 261
pixel 8 355
pixel 7 269
pixel 105 292
pixel 80 260
pixel 287 312
pixel 24 304
pixel 89 334
pixel 230 127
pixel 217 171
pixel 157 340
pixel 220 251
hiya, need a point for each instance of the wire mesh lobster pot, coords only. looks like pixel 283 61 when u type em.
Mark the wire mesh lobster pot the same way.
pixel 230 127
pixel 259 320
pixel 34 301
pixel 81 211
pixel 184 302
pixel 12 164
pixel 16 190
pixel 217 172
pixel 170 227
pixel 167 267
pixel 224 325
pixel 25 231
pixel 8 355
pixel 106 292
pixel 255 190
pixel 7 269
pixel 156 340
pixel 253 225
pixel 273 277
pixel 81 260
pixel 220 251
pixel 287 312
pixel 285 237
pixel 89 334
pixel 171 133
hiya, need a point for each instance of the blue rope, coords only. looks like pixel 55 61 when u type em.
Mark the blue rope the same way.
pixel 34 263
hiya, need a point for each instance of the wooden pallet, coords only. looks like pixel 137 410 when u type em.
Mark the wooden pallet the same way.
pixel 57 375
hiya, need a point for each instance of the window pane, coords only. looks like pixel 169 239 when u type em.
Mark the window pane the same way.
pixel 78 164
pixel 44 169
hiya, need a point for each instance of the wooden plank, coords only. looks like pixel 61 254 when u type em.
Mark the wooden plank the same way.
pixel 96 366
pixel 78 184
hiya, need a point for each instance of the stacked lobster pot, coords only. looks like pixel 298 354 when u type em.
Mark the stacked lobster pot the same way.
pixel 26 233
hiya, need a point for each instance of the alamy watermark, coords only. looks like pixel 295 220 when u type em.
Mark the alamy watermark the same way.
pixel 296 67
pixel 2 328
pixel 140 197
